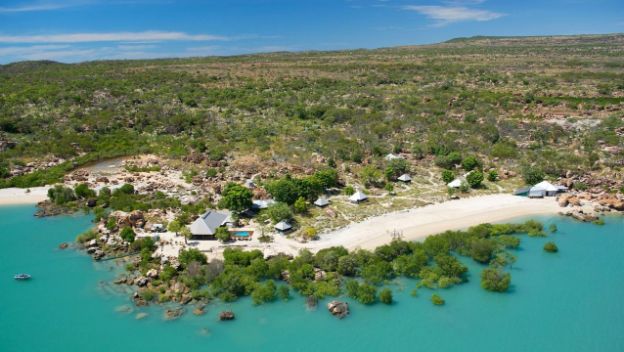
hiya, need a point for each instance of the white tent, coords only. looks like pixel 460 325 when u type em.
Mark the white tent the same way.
pixel 546 188
pixel 283 226
pixel 456 183
pixel 393 157
pixel 405 178
pixel 322 201
pixel 358 197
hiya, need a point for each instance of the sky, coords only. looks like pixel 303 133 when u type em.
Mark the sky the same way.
pixel 85 30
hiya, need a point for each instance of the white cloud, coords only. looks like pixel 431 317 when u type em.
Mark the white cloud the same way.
pixel 33 7
pixel 449 14
pixel 109 37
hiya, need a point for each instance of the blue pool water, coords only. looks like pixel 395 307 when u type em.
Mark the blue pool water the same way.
pixel 568 301
pixel 242 233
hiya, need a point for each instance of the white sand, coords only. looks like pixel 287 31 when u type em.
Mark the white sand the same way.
pixel 418 223
pixel 414 224
pixel 14 196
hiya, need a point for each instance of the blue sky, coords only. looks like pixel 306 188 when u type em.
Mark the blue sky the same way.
pixel 81 30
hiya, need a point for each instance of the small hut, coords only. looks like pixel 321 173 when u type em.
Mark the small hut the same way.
pixel 321 202
pixel 405 178
pixel 456 183
pixel 358 197
pixel 283 227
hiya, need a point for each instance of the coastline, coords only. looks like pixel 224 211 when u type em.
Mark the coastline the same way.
pixel 414 224
pixel 20 196
pixel 418 223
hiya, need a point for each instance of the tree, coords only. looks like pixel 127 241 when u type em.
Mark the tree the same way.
pixel 127 234
pixel 532 175
pixel 283 292
pixel 437 300
pixel 551 247
pixel 366 294
pixel 448 176
pixel 61 195
pixel 300 206
pixel 389 187
pixel 235 197
pixel 174 226
pixel 449 161
pixel 470 163
pixel 83 191
pixel 126 189
pixel 279 212
pixel 223 235
pixel 370 176
pixel 494 279
pixel 327 178
pixel 474 179
pixel 385 296
pixel 482 250
pixel 190 255
pixel 492 176
pixel 309 232
pixel 395 168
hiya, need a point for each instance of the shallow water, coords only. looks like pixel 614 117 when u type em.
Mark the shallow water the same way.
pixel 569 301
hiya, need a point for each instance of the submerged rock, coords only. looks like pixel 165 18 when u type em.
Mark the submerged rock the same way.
pixel 199 310
pixel 226 315
pixel 63 245
pixel 173 313
pixel 124 309
pixel 141 315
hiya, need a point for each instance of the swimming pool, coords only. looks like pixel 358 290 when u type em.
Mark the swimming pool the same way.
pixel 241 233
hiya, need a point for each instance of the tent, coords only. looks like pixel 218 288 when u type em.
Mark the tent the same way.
pixel 321 202
pixel 358 197
pixel 405 178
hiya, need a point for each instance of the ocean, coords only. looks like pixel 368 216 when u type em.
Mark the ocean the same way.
pixel 568 301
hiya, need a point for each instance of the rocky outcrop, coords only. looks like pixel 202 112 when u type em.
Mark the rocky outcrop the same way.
pixel 63 245
pixel 226 315
pixel 173 313
pixel 338 309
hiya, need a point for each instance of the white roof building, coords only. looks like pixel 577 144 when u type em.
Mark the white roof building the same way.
pixel 456 183
pixel 283 226
pixel 405 178
pixel 208 223
pixel 358 196
pixel 322 201
pixel 547 188
pixel 392 157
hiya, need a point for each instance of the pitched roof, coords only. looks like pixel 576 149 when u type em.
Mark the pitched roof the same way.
pixel 545 186
pixel 207 223
pixel 358 196
pixel 405 178
pixel 283 226
pixel 262 203
pixel 321 201
pixel 456 183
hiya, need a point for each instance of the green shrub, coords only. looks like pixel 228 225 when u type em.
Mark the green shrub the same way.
pixel 551 247
pixel 385 296
pixel 437 300
pixel 494 279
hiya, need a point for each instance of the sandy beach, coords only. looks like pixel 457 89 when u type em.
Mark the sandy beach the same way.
pixel 418 223
pixel 414 224
pixel 16 196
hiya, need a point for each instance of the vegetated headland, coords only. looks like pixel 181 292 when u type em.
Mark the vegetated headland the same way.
pixel 186 163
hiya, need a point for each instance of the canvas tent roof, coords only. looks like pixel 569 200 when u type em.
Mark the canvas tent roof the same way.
pixel 207 223
pixel 456 183
pixel 262 203
pixel 283 226
pixel 393 156
pixel 545 186
pixel 358 197
pixel 321 202
pixel 405 178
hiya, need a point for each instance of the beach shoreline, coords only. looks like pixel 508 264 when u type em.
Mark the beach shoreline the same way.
pixel 414 224
pixel 22 196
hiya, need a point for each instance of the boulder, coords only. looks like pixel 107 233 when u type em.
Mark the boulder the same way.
pixel 173 313
pixel 199 310
pixel 141 281
pixel 226 315
pixel 63 245
pixel 152 273
pixel 338 309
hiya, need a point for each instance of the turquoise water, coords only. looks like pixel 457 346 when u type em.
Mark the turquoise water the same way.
pixel 569 301
pixel 242 233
